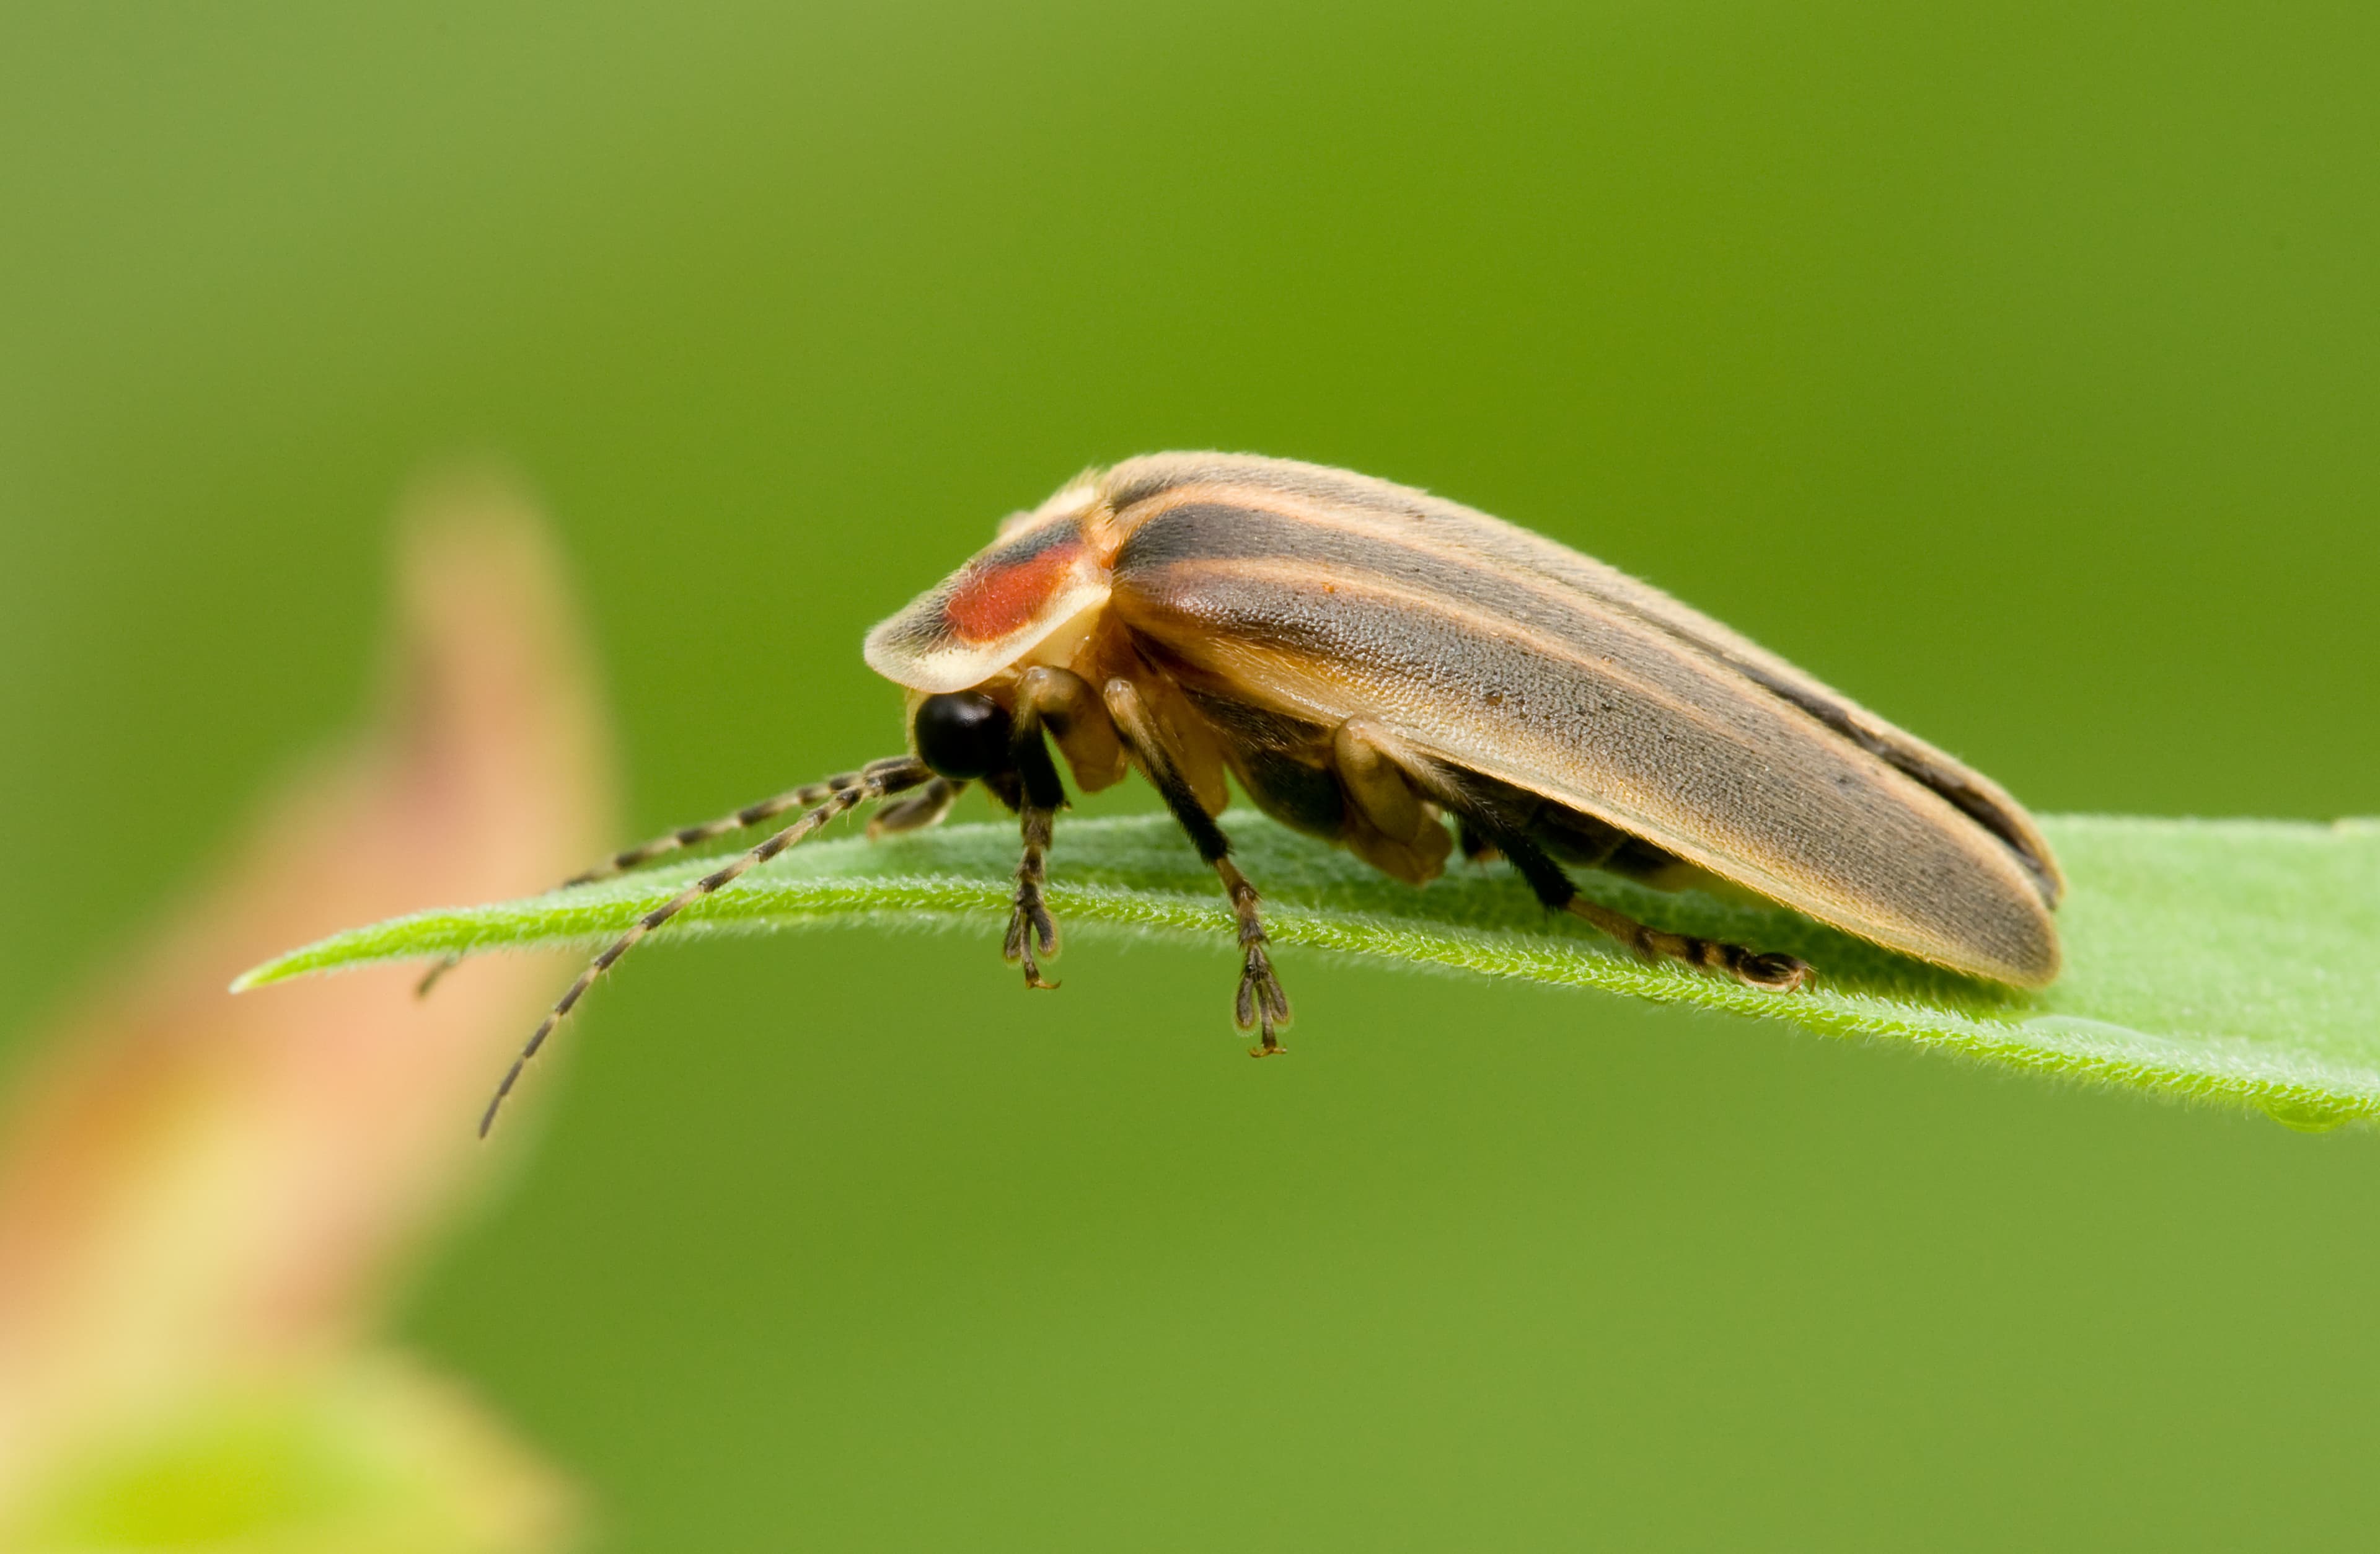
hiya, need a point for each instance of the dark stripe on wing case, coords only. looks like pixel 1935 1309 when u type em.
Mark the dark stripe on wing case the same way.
pixel 1693 765
pixel 1221 532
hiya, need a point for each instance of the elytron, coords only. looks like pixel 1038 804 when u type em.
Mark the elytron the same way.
pixel 1402 676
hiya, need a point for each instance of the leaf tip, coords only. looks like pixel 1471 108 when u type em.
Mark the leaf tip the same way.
pixel 275 970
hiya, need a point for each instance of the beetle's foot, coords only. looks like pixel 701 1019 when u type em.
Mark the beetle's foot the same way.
pixel 1028 926
pixel 1261 1005
pixel 1769 972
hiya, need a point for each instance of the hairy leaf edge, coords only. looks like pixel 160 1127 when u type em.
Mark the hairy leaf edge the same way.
pixel 2299 1093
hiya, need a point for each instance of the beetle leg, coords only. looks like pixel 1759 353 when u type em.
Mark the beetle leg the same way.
pixel 1039 797
pixel 1375 782
pixel 1260 1004
pixel 1030 919
pixel 925 807
pixel 877 781
pixel 1769 972
pixel 1070 709
pixel 1061 706
pixel 1475 844
pixel 1404 837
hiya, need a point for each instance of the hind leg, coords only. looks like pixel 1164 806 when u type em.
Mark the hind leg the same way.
pixel 1767 971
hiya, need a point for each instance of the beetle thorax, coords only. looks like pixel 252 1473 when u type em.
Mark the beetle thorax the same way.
pixel 1035 596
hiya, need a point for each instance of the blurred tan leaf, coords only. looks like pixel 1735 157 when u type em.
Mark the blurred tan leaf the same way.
pixel 204 1199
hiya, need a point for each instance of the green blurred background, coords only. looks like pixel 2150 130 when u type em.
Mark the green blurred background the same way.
pixel 2015 368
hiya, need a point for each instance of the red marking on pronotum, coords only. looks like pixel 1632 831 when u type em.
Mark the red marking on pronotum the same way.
pixel 989 604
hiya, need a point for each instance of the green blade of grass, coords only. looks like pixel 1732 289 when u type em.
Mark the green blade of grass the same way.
pixel 2230 960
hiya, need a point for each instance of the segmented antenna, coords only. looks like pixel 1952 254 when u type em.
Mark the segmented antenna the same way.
pixel 839 796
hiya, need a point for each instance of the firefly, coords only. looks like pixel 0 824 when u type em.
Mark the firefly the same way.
pixel 1401 675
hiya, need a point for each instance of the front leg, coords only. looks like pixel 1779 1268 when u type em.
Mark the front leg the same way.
pixel 927 807
pixel 1260 1004
pixel 1039 797
pixel 1029 921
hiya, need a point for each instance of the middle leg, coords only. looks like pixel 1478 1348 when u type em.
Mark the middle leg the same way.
pixel 1260 1004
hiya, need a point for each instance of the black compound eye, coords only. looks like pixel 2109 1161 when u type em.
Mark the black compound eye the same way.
pixel 962 735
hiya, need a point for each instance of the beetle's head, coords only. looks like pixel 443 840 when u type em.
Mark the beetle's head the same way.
pixel 1042 573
